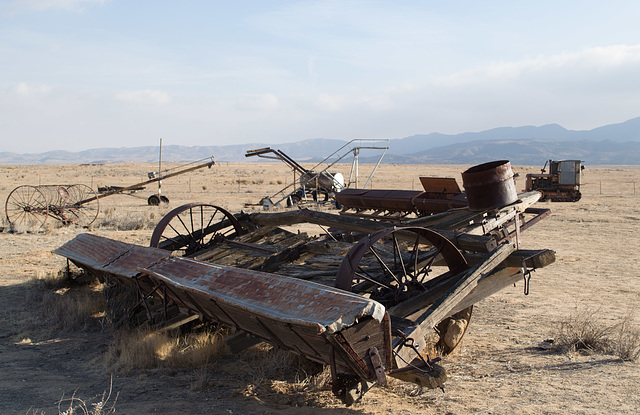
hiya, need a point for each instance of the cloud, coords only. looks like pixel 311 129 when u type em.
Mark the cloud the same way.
pixel 144 96
pixel 340 102
pixel 26 90
pixel 258 102
pixel 590 59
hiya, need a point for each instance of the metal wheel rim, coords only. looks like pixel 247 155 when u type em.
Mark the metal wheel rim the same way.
pixel 26 206
pixel 181 230
pixel 82 214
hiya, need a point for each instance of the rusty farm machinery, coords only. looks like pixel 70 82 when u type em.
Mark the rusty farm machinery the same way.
pixel 369 298
pixel 561 184
pixel 319 184
pixel 29 207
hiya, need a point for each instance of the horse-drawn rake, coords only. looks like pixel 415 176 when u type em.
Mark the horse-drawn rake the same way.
pixel 369 300
pixel 28 207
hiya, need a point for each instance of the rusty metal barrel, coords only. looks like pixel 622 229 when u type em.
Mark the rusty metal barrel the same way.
pixel 489 185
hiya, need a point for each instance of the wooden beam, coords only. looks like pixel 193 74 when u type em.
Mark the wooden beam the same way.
pixel 443 306
pixel 532 258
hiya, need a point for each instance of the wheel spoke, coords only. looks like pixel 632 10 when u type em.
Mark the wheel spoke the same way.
pixel 191 221
pixel 213 234
pixel 371 279
pixel 427 268
pixel 397 251
pixel 180 236
pixel 383 265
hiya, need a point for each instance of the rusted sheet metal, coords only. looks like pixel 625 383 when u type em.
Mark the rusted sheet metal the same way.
pixel 107 255
pixel 446 185
pixel 285 299
pixel 289 313
pixel 293 314
pixel 426 202
pixel 430 202
pixel 394 200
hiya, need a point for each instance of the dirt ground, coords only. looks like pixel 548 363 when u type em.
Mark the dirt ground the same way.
pixel 500 368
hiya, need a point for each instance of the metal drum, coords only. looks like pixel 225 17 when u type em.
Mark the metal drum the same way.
pixel 489 185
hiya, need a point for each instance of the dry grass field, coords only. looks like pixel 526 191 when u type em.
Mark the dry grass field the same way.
pixel 58 351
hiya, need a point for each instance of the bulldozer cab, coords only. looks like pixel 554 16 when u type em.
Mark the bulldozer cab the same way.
pixel 567 171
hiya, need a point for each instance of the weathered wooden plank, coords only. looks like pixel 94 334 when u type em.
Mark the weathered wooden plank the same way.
pixel 443 306
pixel 532 258
pixel 490 285
pixel 464 241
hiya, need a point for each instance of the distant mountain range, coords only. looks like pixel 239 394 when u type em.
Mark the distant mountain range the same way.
pixel 614 144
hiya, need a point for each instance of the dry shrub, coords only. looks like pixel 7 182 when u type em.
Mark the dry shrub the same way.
pixel 66 302
pixel 587 331
pixel 282 372
pixel 627 339
pixel 313 382
pixel 145 349
pixel 128 221
pixel 280 377
pixel 120 298
pixel 583 331
pixel 47 228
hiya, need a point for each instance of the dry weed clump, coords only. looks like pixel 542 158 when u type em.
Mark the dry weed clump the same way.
pixel 281 372
pixel 93 406
pixel 587 331
pixel 128 221
pixel 144 349
pixel 119 298
pixel 627 339
pixel 66 302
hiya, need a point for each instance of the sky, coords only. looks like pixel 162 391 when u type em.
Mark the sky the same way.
pixel 82 74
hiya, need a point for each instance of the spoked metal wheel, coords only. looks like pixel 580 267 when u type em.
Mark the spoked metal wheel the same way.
pixel 26 208
pixel 193 227
pixel 395 264
pixel 77 210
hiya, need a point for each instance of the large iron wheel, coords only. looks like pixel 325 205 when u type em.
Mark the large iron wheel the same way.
pixel 193 227
pixel 26 208
pixel 395 264
pixel 77 210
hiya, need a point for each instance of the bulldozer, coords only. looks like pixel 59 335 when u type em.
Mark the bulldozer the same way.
pixel 561 184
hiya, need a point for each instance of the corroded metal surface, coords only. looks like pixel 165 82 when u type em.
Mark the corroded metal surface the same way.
pixel 440 194
pixel 106 255
pixel 291 313
pixel 289 300
pixel 489 185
